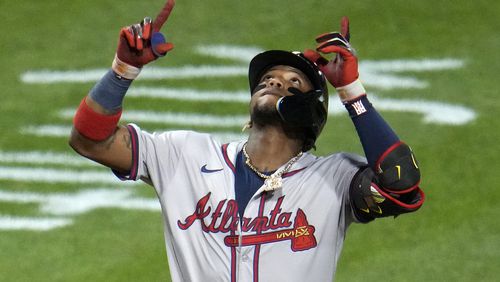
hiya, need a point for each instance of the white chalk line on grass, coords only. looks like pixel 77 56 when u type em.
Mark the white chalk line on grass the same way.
pixel 178 118
pixel 432 112
pixel 32 223
pixel 238 53
pixel 411 65
pixel 44 158
pixel 47 130
pixel 52 175
pixel 63 205
pixel 83 201
pixel 148 73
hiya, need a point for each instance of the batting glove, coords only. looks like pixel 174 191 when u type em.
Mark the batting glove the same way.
pixel 300 109
pixel 141 43
pixel 342 70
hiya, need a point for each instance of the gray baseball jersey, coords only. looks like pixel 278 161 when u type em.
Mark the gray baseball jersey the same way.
pixel 295 233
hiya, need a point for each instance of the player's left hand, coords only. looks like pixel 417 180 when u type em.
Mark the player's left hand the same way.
pixel 142 43
pixel 342 69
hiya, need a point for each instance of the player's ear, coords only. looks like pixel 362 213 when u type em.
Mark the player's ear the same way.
pixel 247 126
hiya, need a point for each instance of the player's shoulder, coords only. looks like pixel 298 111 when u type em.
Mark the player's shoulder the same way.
pixel 179 136
pixel 348 157
pixel 179 139
pixel 193 141
pixel 337 159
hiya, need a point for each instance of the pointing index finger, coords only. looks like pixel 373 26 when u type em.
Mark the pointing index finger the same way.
pixel 344 28
pixel 163 15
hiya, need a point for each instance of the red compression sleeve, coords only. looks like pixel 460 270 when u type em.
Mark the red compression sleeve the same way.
pixel 93 125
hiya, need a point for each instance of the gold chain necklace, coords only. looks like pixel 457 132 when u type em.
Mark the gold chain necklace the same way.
pixel 273 181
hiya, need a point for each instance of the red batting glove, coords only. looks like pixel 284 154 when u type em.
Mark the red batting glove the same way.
pixel 342 70
pixel 142 43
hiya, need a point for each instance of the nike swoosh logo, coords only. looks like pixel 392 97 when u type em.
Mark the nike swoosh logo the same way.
pixel 204 169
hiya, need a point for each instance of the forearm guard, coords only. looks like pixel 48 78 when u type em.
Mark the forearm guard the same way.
pixel 392 191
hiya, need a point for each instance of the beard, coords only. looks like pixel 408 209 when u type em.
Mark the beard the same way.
pixel 266 115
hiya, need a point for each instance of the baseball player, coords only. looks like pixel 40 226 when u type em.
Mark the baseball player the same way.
pixel 262 209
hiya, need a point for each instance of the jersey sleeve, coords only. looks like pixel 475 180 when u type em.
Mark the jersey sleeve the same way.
pixel 343 174
pixel 154 152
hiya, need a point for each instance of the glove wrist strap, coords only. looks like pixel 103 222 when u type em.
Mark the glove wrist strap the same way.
pixel 351 91
pixel 125 70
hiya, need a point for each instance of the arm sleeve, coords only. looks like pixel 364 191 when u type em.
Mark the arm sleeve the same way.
pixel 375 134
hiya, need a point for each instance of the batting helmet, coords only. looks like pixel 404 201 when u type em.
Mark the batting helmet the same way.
pixel 317 119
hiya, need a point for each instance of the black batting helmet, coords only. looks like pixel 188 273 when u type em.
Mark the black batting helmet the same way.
pixel 265 60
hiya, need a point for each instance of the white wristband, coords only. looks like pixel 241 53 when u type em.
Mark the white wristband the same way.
pixel 124 70
pixel 351 91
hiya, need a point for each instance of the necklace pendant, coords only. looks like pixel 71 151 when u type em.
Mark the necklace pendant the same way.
pixel 272 183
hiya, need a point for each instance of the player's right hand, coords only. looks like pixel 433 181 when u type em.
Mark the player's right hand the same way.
pixel 142 43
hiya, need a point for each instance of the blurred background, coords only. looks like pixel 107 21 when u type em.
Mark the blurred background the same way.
pixel 430 68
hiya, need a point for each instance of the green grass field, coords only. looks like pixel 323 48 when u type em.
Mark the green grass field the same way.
pixel 431 67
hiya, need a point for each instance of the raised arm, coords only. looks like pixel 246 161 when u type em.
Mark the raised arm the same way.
pixel 96 133
pixel 389 186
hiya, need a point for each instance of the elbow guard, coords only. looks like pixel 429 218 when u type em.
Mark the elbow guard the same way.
pixel 391 190
pixel 397 169
pixel 370 201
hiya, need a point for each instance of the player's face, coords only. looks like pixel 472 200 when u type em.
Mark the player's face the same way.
pixel 278 79
pixel 273 85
